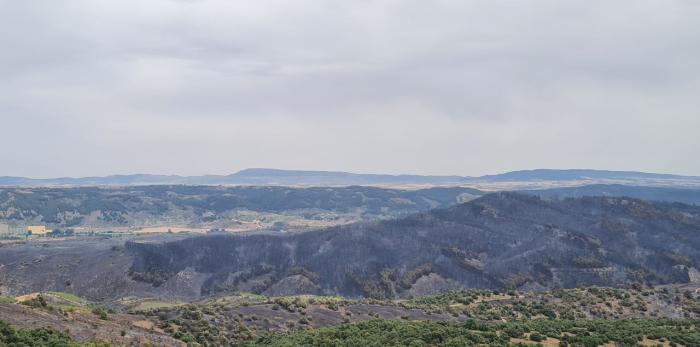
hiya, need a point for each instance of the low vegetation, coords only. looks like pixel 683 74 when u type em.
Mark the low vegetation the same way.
pixel 591 316
pixel 40 337
pixel 470 333
pixel 595 313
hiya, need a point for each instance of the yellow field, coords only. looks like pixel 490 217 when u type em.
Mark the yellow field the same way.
pixel 165 229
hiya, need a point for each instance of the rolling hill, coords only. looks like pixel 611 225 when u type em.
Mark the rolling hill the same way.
pixel 502 240
pixel 216 207
pixel 499 241
pixel 667 194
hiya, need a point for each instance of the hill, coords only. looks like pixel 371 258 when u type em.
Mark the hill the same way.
pixel 582 316
pixel 687 196
pixel 498 263
pixel 296 177
pixel 216 207
pixel 500 241
pixel 241 208
pixel 574 174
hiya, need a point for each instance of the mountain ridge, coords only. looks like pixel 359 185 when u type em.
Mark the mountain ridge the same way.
pixel 266 176
pixel 499 241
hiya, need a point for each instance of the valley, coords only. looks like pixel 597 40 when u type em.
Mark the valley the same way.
pixel 324 173
pixel 149 209
pixel 499 241
pixel 430 267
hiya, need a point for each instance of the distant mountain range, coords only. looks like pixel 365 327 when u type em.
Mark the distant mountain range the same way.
pixel 336 178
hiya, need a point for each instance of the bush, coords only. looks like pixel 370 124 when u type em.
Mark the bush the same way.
pixel 99 311
pixel 537 337
pixel 42 337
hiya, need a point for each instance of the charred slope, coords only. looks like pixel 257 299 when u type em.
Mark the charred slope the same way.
pixel 503 240
pixel 686 196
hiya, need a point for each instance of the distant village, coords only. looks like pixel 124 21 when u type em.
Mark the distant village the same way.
pixel 12 232
pixel 18 232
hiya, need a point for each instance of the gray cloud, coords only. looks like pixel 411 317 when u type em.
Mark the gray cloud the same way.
pixel 440 87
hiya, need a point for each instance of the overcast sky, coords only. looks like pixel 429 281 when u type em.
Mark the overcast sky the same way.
pixel 97 87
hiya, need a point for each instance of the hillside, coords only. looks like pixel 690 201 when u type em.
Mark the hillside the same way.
pixel 245 208
pixel 686 196
pixel 498 264
pixel 499 241
pixel 470 333
pixel 54 319
pixel 582 316
pixel 503 240
pixel 216 207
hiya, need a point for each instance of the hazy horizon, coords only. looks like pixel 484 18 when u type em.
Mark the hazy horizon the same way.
pixel 343 171
pixel 469 88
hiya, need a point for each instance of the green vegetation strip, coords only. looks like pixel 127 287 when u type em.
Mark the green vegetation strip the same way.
pixel 386 333
pixel 68 297
pixel 42 337
pixel 7 300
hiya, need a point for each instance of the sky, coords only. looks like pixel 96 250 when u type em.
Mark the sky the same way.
pixel 100 87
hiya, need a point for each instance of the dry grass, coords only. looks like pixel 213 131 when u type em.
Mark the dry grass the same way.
pixel 174 229
pixel 552 342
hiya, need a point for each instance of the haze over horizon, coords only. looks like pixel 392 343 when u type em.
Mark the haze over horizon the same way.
pixel 350 172
pixel 467 88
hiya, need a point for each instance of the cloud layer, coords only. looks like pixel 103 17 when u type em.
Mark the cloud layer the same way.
pixel 441 87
